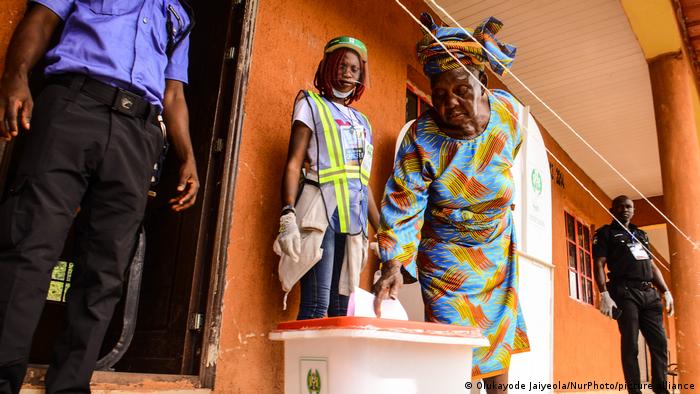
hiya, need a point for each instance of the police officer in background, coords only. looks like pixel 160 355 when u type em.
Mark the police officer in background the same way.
pixel 630 296
pixel 90 151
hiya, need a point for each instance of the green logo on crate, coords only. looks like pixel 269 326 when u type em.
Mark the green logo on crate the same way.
pixel 536 181
pixel 313 381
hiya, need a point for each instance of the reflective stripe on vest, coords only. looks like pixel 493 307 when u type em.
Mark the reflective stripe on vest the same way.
pixel 337 173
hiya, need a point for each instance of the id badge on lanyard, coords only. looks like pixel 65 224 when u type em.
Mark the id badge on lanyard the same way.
pixel 638 251
pixel 367 159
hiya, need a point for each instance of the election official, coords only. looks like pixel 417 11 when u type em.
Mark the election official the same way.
pixel 631 294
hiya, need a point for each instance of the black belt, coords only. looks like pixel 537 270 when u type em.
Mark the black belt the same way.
pixel 636 284
pixel 119 100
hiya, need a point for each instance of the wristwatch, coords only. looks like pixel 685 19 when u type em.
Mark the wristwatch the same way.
pixel 288 208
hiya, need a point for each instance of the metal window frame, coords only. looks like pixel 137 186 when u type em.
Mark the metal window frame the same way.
pixel 422 98
pixel 580 275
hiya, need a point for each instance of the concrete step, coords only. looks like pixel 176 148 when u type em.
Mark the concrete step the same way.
pixel 122 383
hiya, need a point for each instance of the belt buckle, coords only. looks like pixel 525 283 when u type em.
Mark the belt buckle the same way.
pixel 126 102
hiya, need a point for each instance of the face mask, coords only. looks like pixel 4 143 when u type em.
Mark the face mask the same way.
pixel 342 95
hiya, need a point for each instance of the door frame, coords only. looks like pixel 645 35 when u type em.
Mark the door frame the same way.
pixel 219 262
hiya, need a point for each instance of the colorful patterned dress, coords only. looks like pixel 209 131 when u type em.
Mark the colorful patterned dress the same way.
pixel 446 216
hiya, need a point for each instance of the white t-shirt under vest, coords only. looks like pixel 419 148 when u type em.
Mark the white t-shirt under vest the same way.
pixel 303 113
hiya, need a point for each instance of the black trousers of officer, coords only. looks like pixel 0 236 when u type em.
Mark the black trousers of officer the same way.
pixel 80 156
pixel 642 311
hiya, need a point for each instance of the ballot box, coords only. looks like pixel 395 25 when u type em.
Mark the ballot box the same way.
pixel 364 355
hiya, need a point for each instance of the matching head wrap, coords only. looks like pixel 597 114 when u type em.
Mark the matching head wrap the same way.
pixel 436 60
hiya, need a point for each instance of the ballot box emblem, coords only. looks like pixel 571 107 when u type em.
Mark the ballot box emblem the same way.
pixel 536 181
pixel 313 381
pixel 314 375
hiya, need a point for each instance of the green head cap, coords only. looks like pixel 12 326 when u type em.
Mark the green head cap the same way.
pixel 347 42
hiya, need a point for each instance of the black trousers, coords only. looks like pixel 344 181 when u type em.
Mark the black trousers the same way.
pixel 642 311
pixel 80 156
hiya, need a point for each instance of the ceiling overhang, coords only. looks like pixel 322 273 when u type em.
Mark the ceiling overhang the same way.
pixel 584 61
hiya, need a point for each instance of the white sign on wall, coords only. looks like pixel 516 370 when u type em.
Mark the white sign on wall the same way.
pixel 533 219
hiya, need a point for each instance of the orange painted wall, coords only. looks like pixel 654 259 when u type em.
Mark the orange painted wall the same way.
pixel 586 343
pixel 288 44
pixel 10 14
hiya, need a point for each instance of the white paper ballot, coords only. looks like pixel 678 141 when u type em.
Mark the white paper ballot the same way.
pixel 361 304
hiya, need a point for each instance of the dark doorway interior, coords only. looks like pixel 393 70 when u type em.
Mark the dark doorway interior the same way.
pixel 168 336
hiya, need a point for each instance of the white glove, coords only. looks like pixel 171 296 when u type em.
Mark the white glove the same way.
pixel 289 240
pixel 607 304
pixel 669 302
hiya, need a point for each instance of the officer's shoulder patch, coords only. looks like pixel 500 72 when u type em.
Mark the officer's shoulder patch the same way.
pixel 603 232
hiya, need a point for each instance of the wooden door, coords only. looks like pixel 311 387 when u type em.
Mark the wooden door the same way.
pixel 179 246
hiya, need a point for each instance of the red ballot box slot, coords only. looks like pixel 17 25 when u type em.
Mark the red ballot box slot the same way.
pixel 375 324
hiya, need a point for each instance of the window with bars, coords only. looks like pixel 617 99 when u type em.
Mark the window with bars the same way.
pixel 60 281
pixel 580 261
pixel 416 103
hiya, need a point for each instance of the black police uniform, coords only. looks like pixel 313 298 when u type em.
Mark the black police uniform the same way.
pixel 630 275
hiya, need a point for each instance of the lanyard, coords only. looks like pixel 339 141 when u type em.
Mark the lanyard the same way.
pixel 360 141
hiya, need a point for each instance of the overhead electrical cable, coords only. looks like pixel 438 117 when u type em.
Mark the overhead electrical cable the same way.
pixel 695 244
pixel 427 30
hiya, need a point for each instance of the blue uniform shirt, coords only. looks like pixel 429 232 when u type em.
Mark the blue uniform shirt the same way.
pixel 121 43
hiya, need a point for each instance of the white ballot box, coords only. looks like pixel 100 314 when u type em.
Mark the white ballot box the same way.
pixel 363 355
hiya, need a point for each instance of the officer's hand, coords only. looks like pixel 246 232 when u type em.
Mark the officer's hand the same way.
pixel 187 187
pixel 607 304
pixel 15 105
pixel 669 302
pixel 388 285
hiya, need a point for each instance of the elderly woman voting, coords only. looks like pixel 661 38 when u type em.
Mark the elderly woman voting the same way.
pixel 446 215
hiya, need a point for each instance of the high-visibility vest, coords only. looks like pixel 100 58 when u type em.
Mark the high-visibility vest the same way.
pixel 344 161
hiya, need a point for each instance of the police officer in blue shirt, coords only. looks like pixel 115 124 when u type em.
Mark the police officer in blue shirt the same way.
pixel 118 70
pixel 630 296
